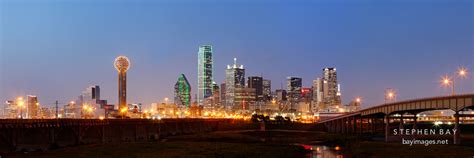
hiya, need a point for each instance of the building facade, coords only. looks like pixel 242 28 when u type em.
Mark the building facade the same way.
pixel 88 104
pixel 182 92
pixel 317 102
pixel 332 95
pixel 216 96
pixel 267 90
pixel 326 92
pixel 11 109
pixel 222 94
pixel 235 78
pixel 256 82
pixel 280 95
pixel 244 98
pixel 32 107
pixel 293 89
pixel 205 73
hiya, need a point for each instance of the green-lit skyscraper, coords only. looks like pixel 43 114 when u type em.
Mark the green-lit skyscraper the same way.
pixel 205 71
pixel 182 92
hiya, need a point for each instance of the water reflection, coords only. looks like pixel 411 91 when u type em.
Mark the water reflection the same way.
pixel 322 151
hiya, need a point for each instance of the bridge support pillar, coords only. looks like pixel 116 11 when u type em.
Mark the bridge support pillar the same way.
pixel 401 122
pixel 346 125
pixel 339 126
pixel 387 122
pixel 415 118
pixel 457 134
pixel 331 126
pixel 102 134
pixel 369 125
pixel 354 127
pixel 343 125
pixel 373 123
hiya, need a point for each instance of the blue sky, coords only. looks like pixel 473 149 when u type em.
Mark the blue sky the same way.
pixel 56 48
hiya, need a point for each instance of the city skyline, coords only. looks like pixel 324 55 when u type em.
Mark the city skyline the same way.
pixel 26 71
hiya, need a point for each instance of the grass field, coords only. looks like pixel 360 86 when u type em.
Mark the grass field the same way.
pixel 271 144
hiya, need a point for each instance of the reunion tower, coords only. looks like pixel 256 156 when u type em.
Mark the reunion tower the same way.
pixel 122 64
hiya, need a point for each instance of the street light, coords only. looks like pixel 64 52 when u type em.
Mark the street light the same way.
pixel 358 100
pixel 462 72
pixel 390 95
pixel 446 81
pixel 449 81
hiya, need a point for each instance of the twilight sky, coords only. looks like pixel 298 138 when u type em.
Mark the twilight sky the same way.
pixel 56 48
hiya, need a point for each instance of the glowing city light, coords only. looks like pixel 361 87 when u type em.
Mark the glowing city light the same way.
pixel 462 72
pixel 446 81
pixel 123 110
pixel 358 100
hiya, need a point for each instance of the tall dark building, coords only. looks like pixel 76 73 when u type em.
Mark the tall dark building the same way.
pixel 223 102
pixel 293 89
pixel 256 82
pixel 267 90
pixel 216 98
pixel 280 95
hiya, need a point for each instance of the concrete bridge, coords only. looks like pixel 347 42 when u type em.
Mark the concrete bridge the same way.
pixel 384 117
pixel 45 134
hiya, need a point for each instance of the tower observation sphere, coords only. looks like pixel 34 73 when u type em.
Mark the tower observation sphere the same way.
pixel 122 63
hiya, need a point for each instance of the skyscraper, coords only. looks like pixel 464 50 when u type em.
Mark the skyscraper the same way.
pixel 235 78
pixel 332 95
pixel 257 83
pixel 222 93
pixel 32 106
pixel 293 88
pixel 182 92
pixel 280 95
pixel 267 90
pixel 316 103
pixel 88 102
pixel 326 92
pixel 122 64
pixel 205 71
pixel 244 98
pixel 216 101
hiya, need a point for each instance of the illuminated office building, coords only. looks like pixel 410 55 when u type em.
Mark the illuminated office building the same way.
pixel 267 90
pixel 182 92
pixel 256 82
pixel 32 106
pixel 235 78
pixel 205 71
pixel 293 89
pixel 326 92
